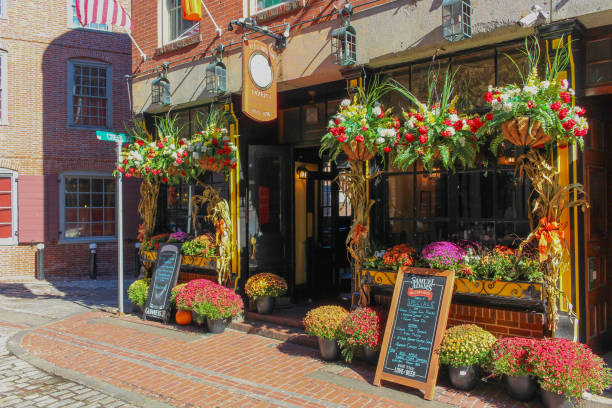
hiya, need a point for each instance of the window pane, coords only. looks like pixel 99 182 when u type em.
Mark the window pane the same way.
pixel 109 185
pixel 475 73
pixel 109 200
pixel 97 200
pixel 427 232
pixel 109 214
pixel 5 215
pixel 84 185
pixel 71 184
pixel 109 229
pixel 420 74
pixel 474 195
pixel 71 200
pixel 97 229
pixel 71 214
pixel 401 196
pixel 507 72
pixel 6 231
pixel 84 200
pixel 84 214
pixel 401 231
pixel 5 199
pixel 72 230
pixel 97 214
pixel 97 185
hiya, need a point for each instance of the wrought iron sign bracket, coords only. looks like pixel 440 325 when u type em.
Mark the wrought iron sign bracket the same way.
pixel 251 25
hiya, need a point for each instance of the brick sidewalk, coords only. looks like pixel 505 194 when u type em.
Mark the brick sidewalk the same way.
pixel 186 368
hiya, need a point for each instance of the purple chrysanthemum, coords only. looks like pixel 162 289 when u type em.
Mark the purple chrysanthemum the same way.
pixel 443 254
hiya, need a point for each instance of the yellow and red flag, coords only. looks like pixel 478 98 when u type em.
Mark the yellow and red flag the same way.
pixel 192 10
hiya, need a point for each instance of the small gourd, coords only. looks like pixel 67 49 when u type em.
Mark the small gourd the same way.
pixel 183 317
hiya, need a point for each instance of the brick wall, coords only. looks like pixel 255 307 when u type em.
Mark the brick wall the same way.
pixel 37 142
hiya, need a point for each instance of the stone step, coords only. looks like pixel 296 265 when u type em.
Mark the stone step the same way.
pixel 277 318
pixel 275 331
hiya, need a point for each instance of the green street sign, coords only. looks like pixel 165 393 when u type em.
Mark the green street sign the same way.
pixel 111 137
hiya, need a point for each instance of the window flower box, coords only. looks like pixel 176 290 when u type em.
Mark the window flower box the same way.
pixel 199 262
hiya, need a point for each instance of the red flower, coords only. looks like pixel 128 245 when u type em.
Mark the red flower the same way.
pixel 359 139
pixel 183 173
pixel 185 153
pixel 131 170
pixel 215 142
pixel 565 97
pixel 125 161
pixel 489 116
pixel 419 116
pixel 423 139
pixel 569 124
pixel 555 106
pixel 423 130
pixel 562 113
pixel 409 137
pixel 445 133
pixel 562 147
pixel 120 169
pixel 179 161
pixel 447 122
pixel 488 97
pixel 364 128
pixel 337 122
pixel 181 143
pixel 140 142
pixel 530 104
pixel 164 179
pixel 341 138
pixel 233 165
pixel 387 149
pixel 580 111
pixel 458 125
pixel 211 159
pixel 160 145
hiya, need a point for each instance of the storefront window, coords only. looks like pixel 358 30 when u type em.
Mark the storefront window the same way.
pixel 475 72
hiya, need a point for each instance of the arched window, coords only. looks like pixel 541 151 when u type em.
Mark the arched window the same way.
pixel 8 207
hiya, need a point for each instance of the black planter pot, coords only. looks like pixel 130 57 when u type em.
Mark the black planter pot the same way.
pixel 137 309
pixel 265 304
pixel 554 400
pixel 521 387
pixel 370 356
pixel 199 320
pixel 216 325
pixel 329 349
pixel 463 378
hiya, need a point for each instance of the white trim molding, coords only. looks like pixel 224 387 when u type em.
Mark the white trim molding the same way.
pixel 4 9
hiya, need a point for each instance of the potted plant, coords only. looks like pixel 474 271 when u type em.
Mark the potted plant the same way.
pixel 509 359
pixel 202 245
pixel 263 288
pixel 182 317
pixel 443 255
pixel 323 322
pixel 137 293
pixel 211 147
pixel 464 349
pixel 566 370
pixel 539 111
pixel 362 329
pixel 186 298
pixel 217 304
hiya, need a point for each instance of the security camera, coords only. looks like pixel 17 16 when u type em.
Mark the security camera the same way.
pixel 537 14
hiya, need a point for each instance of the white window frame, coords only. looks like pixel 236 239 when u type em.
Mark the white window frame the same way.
pixel 4 9
pixel 14 240
pixel 71 23
pixel 4 86
pixel 253 7
pixel 164 25
pixel 62 197
pixel 109 93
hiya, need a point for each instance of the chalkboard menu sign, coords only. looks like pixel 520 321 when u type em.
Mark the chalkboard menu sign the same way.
pixel 416 324
pixel 163 280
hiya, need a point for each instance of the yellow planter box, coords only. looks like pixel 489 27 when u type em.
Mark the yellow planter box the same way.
pixel 203 262
pixel 517 290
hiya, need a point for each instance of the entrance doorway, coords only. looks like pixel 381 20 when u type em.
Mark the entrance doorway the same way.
pixel 322 219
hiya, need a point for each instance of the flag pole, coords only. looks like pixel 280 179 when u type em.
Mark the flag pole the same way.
pixel 142 54
pixel 219 32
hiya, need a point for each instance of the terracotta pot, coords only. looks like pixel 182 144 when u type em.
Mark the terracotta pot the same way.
pixel 521 387
pixel 370 356
pixel 554 400
pixel 216 325
pixel 173 171
pixel 463 378
pixel 516 131
pixel 358 151
pixel 207 165
pixel 329 349
pixel 265 304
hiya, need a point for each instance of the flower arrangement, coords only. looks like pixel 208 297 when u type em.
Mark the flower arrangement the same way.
pixel 434 130
pixel 568 368
pixel 466 345
pixel 175 291
pixel 138 291
pixel 208 299
pixel 443 255
pixel 545 104
pixel 324 321
pixel 509 356
pixel 362 125
pixel 153 243
pixel 501 263
pixel 391 258
pixel 178 236
pixel 361 328
pixel 213 150
pixel 265 284
pixel 202 245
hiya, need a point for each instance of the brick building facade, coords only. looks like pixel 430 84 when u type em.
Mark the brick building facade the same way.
pixel 60 83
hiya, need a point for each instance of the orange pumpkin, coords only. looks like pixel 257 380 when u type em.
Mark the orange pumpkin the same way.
pixel 183 317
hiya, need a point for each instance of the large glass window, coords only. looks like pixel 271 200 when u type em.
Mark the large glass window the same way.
pixel 8 207
pixel 89 100
pixel 174 26
pixel 88 206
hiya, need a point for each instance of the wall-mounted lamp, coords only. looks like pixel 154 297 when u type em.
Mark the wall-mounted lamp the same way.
pixel 344 39
pixel 160 87
pixel 302 173
pixel 456 19
pixel 216 73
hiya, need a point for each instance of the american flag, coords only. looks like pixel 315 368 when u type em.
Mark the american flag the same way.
pixel 103 12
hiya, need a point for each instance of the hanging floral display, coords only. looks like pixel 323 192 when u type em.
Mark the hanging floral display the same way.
pixel 538 112
pixel 435 131
pixel 362 127
pixel 212 149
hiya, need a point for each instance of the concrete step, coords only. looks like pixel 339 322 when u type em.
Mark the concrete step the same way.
pixel 275 331
pixel 281 319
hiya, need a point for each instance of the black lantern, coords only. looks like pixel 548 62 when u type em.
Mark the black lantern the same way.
pixel 456 19
pixel 160 87
pixel 344 39
pixel 216 73
pixel 302 173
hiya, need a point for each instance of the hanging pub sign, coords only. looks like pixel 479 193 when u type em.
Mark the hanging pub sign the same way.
pixel 415 326
pixel 259 81
pixel 163 280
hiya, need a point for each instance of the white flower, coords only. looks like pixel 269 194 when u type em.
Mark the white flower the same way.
pixel 196 155
pixel 504 97
pixel 508 107
pixel 544 84
pixel 461 141
pixel 174 156
pixel 564 83
pixel 345 102
pixel 490 88
pixel 577 109
pixel 225 138
pixel 380 140
pixel 453 117
pixel 532 90
pixel 410 123
pixel 233 147
pixel 331 123
pixel 376 110
pixel 224 130
pixel 571 91
pixel 341 118
pixel 451 130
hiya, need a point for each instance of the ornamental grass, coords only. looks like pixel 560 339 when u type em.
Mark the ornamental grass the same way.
pixel 568 368
pixel 324 321
pixel 265 284
pixel 138 291
pixel 466 345
pixel 361 328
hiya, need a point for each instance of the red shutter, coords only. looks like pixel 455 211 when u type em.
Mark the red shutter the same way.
pixel 31 207
pixel 6 214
